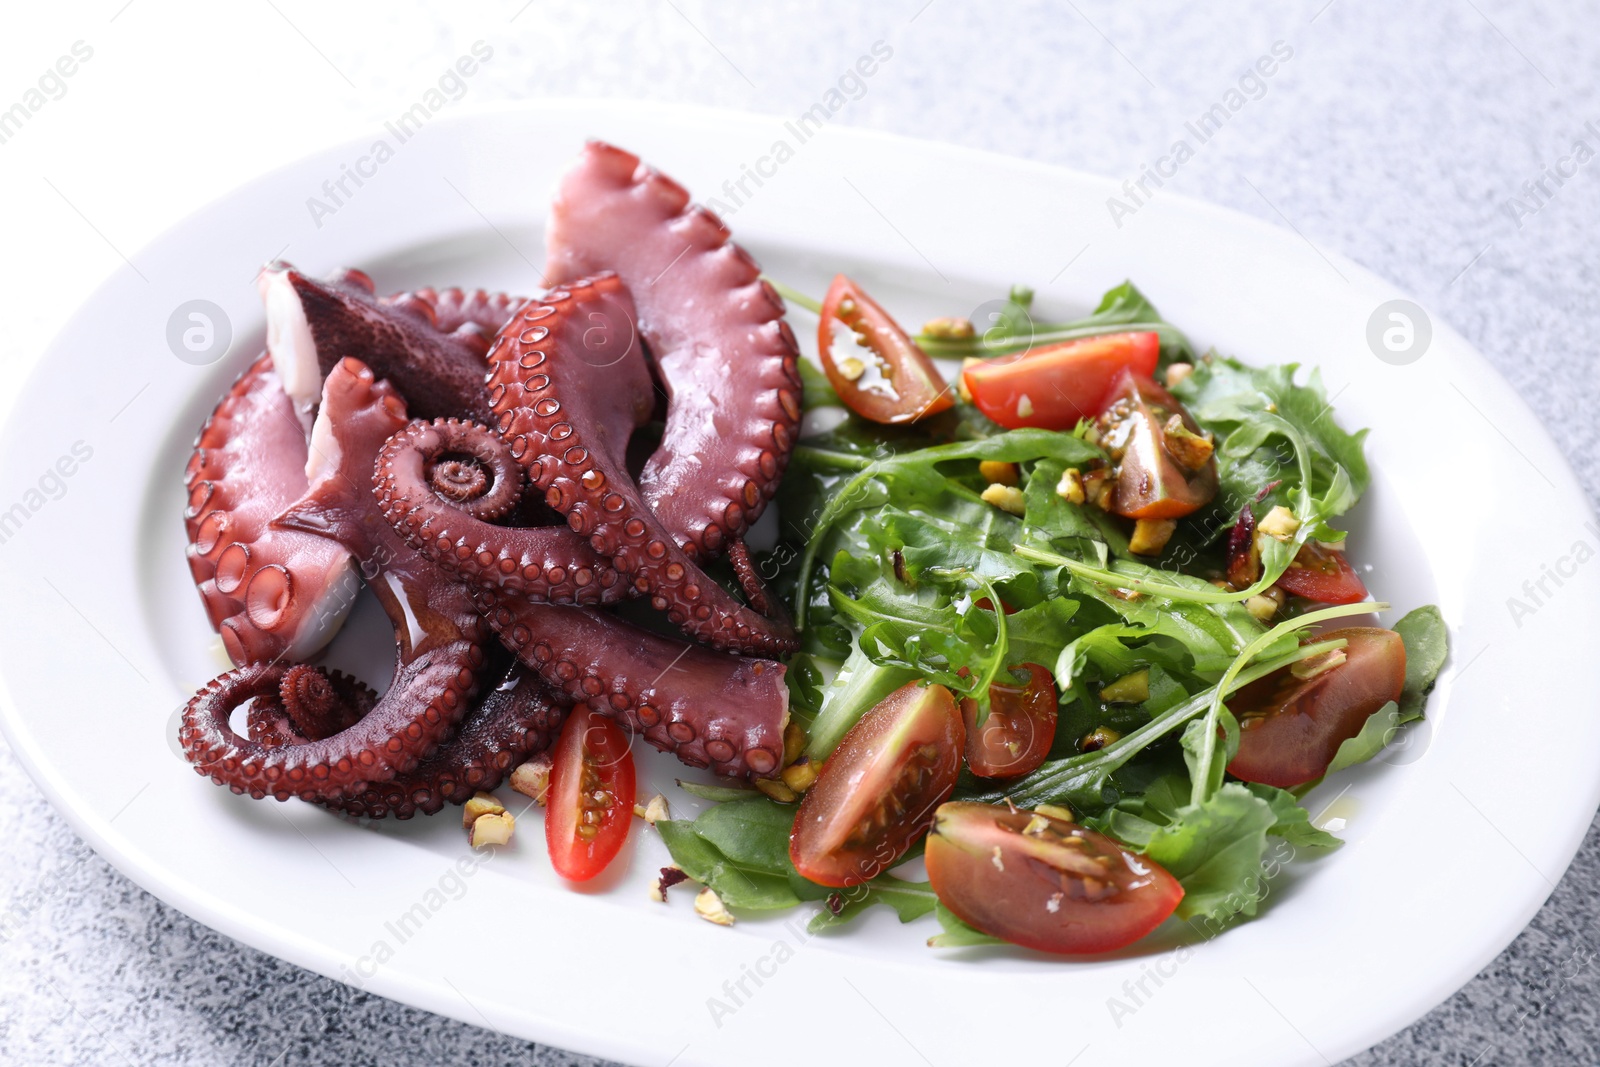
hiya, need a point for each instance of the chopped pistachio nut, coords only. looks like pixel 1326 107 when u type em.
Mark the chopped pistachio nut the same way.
pixel 1036 825
pixel 961 379
pixel 1150 536
pixel 1070 487
pixel 480 803
pixel 532 779
pixel 1025 407
pixel 1310 668
pixel 1097 487
pixel 1261 607
pixel 709 907
pixel 1098 738
pixel 850 368
pixel 669 877
pixel 800 774
pixel 775 789
pixel 1007 498
pixel 492 829
pixel 1129 689
pixel 1191 450
pixel 794 742
pixel 1177 372
pixel 998 472
pixel 1056 812
pixel 654 811
pixel 1280 523
pixel 948 329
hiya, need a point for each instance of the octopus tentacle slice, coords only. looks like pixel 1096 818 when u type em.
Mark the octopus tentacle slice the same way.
pixel 454 308
pixel 518 718
pixel 439 633
pixel 270 593
pixel 716 330
pixel 705 707
pixel 311 325
pixel 424 481
pixel 569 385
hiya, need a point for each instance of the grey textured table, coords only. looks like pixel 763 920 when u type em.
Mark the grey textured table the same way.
pixel 1401 136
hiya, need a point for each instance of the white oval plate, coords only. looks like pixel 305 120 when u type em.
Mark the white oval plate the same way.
pixel 1455 839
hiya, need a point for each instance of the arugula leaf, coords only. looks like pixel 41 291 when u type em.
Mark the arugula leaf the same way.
pixel 1012 328
pixel 740 849
pixel 717 793
pixel 1372 739
pixel 910 901
pixel 1427 644
pixel 958 934
pixel 1293 821
pixel 1214 849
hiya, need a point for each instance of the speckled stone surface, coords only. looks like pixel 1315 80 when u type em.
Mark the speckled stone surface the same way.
pixel 1399 135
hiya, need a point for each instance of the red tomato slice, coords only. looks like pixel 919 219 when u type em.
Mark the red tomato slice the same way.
pixel 1290 728
pixel 874 366
pixel 1043 882
pixel 876 794
pixel 1017 735
pixel 1055 386
pixel 1156 477
pixel 591 795
pixel 1323 575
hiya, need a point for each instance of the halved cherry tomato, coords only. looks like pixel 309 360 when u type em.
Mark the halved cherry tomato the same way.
pixel 1054 386
pixel 1290 727
pixel 876 794
pixel 1164 470
pixel 1043 882
pixel 1017 735
pixel 874 366
pixel 591 795
pixel 1323 575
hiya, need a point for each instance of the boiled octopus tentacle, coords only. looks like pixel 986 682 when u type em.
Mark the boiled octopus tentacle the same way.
pixel 518 718
pixel 438 630
pixel 311 705
pixel 715 329
pixel 705 707
pixel 454 308
pixel 270 593
pixel 311 325
pixel 422 480
pixel 569 384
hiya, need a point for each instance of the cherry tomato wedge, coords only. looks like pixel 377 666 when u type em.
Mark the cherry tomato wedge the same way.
pixel 1054 386
pixel 876 794
pixel 1165 469
pixel 591 795
pixel 1043 882
pixel 1323 575
pixel 1017 735
pixel 874 366
pixel 1290 727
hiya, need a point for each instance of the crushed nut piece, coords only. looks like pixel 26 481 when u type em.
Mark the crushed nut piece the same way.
pixel 850 368
pixel 492 829
pixel 1129 689
pixel 1150 536
pixel 1070 487
pixel 1098 738
pixel 1262 607
pixel 998 472
pixel 1190 450
pixel 1056 811
pixel 1280 523
pixel 1025 407
pixel 1036 826
pixel 1177 372
pixel 1007 498
pixel 776 790
pixel 532 779
pixel 794 742
pixel 1097 487
pixel 670 876
pixel 800 774
pixel 948 329
pixel 654 811
pixel 1310 668
pixel 709 907
pixel 480 803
